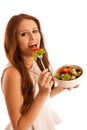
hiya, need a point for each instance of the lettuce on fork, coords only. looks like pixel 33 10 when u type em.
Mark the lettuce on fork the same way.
pixel 37 52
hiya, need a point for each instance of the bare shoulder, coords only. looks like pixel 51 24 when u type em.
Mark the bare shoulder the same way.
pixel 11 77
pixel 11 72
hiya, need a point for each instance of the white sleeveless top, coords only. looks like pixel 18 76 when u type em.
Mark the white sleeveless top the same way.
pixel 47 117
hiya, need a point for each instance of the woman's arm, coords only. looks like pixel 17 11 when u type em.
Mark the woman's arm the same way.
pixel 27 120
pixel 11 85
pixel 56 90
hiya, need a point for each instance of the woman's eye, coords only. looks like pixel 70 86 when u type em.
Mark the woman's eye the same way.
pixel 35 31
pixel 27 33
pixel 24 34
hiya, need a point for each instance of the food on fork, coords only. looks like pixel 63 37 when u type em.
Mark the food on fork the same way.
pixel 37 52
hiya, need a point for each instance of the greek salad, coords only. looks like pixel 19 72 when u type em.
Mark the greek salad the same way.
pixel 68 72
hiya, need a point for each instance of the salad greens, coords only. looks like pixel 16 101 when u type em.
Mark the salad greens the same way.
pixel 68 72
pixel 37 52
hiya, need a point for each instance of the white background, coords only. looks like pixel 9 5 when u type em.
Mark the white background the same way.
pixel 64 24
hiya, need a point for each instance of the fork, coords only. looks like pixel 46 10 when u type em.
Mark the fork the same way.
pixel 50 68
pixel 40 58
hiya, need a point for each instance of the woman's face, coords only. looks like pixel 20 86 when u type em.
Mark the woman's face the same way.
pixel 28 36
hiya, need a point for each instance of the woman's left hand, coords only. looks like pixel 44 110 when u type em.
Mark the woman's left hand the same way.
pixel 73 87
pixel 58 89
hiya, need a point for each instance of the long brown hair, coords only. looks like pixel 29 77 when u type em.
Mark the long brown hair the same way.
pixel 14 57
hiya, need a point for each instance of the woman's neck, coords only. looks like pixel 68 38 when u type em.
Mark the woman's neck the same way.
pixel 28 61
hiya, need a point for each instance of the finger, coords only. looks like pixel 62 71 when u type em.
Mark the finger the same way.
pixel 47 76
pixel 49 79
pixel 76 86
pixel 69 89
pixel 51 83
pixel 43 73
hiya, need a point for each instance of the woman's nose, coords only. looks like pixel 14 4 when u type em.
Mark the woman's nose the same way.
pixel 31 36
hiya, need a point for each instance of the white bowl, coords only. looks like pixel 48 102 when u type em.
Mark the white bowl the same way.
pixel 69 83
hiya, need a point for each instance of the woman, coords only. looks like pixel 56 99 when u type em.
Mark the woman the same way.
pixel 26 86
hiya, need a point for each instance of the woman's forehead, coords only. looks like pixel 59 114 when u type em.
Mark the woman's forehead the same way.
pixel 27 24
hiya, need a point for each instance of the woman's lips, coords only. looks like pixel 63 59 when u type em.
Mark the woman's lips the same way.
pixel 33 45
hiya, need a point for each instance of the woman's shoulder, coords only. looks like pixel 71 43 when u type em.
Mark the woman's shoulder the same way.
pixel 10 76
pixel 10 71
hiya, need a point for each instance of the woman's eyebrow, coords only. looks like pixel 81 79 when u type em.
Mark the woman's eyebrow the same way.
pixel 27 30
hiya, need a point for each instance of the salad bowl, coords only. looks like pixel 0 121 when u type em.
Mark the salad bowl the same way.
pixel 68 76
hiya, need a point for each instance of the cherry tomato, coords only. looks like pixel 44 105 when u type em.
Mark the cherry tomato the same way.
pixel 35 48
pixel 65 70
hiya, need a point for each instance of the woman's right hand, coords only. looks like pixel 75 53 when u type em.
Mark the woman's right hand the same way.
pixel 45 82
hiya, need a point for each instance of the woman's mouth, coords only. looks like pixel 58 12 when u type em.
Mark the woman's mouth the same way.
pixel 33 45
